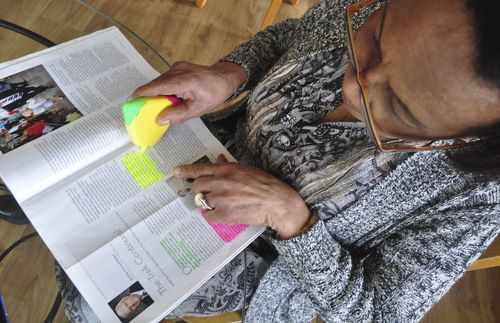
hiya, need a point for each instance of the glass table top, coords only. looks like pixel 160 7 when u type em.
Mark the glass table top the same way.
pixel 58 21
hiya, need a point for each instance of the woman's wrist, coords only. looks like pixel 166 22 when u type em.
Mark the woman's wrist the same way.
pixel 291 218
pixel 311 221
pixel 234 73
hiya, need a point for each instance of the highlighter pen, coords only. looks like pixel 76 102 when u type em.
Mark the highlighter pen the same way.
pixel 140 116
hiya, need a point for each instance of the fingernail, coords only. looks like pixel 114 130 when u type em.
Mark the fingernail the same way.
pixel 164 122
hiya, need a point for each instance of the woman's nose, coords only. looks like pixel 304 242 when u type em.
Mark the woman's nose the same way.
pixel 376 75
pixel 352 91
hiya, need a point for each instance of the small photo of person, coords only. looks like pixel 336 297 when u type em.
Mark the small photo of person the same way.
pixel 183 187
pixel 131 302
pixel 31 105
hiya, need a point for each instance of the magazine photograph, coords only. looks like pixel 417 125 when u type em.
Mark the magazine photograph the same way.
pixel 31 105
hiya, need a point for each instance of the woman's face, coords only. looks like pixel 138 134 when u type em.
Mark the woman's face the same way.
pixel 418 65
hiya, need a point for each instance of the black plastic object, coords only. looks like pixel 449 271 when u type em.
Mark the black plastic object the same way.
pixel 26 32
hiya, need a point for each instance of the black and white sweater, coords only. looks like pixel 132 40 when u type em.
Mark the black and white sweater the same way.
pixel 397 230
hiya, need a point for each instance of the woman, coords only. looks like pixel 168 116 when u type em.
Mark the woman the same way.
pixel 362 234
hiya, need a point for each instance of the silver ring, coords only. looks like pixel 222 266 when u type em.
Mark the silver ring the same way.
pixel 201 201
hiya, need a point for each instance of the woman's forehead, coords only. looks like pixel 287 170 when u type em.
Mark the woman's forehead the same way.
pixel 428 56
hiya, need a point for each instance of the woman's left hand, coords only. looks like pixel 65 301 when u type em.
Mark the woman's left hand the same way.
pixel 246 195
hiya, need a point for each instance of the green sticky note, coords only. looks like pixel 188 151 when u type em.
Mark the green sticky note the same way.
pixel 131 109
pixel 142 168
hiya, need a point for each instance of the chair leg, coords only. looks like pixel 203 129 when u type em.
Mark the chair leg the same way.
pixel 271 13
pixel 201 3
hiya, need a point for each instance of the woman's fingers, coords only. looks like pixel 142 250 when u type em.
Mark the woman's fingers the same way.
pixel 221 159
pixel 197 170
pixel 162 85
pixel 206 184
pixel 243 194
pixel 173 82
pixel 220 212
pixel 201 87
pixel 175 114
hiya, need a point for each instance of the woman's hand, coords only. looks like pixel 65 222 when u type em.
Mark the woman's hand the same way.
pixel 246 195
pixel 202 88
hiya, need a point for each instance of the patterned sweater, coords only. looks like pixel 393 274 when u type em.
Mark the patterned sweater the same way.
pixel 396 230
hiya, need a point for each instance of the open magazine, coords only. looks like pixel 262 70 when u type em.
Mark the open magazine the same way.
pixel 116 219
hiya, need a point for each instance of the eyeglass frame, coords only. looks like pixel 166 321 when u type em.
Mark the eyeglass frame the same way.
pixel 367 113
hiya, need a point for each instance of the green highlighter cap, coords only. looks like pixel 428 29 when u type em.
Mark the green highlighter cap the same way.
pixel 131 109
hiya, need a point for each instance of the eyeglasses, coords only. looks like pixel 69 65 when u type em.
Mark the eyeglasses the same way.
pixel 392 145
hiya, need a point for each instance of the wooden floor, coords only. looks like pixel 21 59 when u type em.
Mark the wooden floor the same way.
pixel 180 31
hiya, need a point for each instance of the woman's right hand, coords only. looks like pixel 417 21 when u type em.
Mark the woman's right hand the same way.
pixel 202 88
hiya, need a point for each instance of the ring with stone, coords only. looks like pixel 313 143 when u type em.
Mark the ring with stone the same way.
pixel 201 201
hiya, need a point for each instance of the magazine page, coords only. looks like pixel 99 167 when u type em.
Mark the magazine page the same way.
pixel 113 216
pixel 81 213
pixel 128 228
pixel 60 108
pixel 166 263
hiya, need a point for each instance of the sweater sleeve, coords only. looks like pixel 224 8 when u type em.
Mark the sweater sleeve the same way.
pixel 261 52
pixel 398 281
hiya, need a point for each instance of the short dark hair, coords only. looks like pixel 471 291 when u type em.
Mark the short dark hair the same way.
pixel 486 34
pixel 485 21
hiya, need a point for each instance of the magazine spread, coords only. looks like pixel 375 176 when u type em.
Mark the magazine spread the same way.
pixel 114 217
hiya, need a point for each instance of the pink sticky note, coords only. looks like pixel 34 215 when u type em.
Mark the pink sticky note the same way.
pixel 227 232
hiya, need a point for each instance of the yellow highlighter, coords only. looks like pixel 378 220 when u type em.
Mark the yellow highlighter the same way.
pixel 140 119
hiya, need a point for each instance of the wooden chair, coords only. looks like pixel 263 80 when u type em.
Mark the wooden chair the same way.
pixel 271 12
pixel 490 258
pixel 201 3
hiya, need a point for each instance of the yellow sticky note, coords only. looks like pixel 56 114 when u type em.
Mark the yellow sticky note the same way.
pixel 142 168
